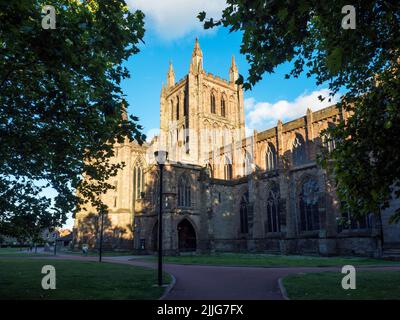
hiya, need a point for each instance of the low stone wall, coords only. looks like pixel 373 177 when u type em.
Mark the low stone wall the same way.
pixel 351 246
pixel 108 244
pixel 229 245
pixel 301 246
pixel 360 246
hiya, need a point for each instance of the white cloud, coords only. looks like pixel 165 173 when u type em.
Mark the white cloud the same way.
pixel 249 103
pixel 174 19
pixel 264 115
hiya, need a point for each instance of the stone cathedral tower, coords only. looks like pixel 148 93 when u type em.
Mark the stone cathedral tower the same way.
pixel 225 192
pixel 200 113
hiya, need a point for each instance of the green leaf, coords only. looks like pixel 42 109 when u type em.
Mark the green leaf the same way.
pixel 201 16
pixel 334 60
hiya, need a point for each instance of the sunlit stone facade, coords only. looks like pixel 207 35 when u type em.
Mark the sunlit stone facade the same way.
pixel 225 192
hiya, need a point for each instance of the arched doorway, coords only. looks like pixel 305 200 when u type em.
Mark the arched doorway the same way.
pixel 186 236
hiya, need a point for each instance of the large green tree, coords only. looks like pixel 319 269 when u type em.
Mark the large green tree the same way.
pixel 362 62
pixel 61 106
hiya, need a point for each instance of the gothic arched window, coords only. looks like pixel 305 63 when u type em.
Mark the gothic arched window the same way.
pixel 215 141
pixel 138 181
pixel 329 141
pixel 270 158
pixel 244 219
pixel 185 106
pixel 212 103
pixel 247 164
pixel 299 150
pixel 308 205
pixel 184 192
pixel 272 223
pixel 349 222
pixel 177 108
pixel 184 135
pixel 223 108
pixel 210 170
pixel 227 169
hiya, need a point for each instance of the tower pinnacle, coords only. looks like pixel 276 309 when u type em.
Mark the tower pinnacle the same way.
pixel 170 76
pixel 196 65
pixel 233 63
pixel 196 50
pixel 124 113
pixel 233 71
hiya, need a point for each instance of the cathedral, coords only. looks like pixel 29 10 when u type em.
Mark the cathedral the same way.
pixel 225 191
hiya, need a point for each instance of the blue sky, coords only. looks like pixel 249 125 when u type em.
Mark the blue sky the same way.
pixel 171 29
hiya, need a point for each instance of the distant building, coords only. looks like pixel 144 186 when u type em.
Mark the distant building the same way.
pixel 65 240
pixel 49 235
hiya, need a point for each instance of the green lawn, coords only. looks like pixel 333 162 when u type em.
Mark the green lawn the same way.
pixel 104 253
pixel 17 252
pixel 21 279
pixel 380 285
pixel 265 260
pixel 4 251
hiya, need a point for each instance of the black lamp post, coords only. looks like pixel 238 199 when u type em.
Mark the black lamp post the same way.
pixel 161 157
pixel 101 234
pixel 55 242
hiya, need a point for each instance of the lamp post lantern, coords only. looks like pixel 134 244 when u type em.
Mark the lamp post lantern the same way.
pixel 161 158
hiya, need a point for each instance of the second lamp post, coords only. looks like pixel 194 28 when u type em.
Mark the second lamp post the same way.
pixel 161 158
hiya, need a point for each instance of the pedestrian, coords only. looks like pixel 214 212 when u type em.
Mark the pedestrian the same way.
pixel 85 249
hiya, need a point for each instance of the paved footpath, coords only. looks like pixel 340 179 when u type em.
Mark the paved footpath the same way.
pixel 199 282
